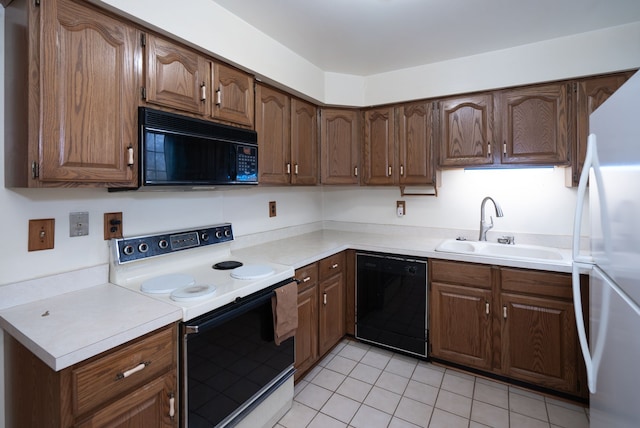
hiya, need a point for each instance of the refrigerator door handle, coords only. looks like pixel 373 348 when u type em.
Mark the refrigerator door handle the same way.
pixel 591 363
pixel 591 160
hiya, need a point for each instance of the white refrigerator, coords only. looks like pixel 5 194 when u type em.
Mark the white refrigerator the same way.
pixel 612 170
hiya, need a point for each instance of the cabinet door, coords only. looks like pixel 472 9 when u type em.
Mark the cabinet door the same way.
pixel 233 95
pixel 539 341
pixel 460 325
pixel 415 142
pixel 590 94
pixel 466 131
pixel 535 125
pixel 176 77
pixel 272 125
pixel 332 308
pixel 89 96
pixel 304 142
pixel 340 139
pixel 307 333
pixel 378 152
pixel 153 405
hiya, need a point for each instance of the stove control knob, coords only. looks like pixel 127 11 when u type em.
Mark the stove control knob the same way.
pixel 204 236
pixel 227 232
pixel 218 234
pixel 143 247
pixel 163 244
pixel 128 250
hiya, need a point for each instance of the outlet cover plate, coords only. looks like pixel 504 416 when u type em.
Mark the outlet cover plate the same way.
pixel 78 224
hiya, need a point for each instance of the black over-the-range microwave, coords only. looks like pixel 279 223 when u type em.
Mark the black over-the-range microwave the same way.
pixel 183 153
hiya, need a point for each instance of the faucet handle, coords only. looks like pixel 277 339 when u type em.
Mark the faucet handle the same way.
pixel 507 239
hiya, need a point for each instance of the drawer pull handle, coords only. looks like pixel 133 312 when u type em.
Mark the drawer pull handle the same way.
pixel 504 312
pixel 324 298
pixel 486 308
pixel 172 405
pixel 335 265
pixel 306 279
pixel 136 369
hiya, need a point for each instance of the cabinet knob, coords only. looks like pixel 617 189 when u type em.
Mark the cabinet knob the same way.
pixel 295 169
pixel 489 149
pixel 486 308
pixel 133 370
pixel 172 405
pixel 504 312
pixel 219 97
pixel 335 265
pixel 402 170
pixel 288 168
pixel 306 279
pixel 389 171
pixel 504 148
pixel 324 298
pixel 130 156
pixel 355 171
pixel 203 92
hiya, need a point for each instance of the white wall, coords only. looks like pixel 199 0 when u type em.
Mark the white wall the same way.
pixel 534 201
pixel 214 29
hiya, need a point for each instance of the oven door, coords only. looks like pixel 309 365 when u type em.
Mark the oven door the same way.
pixel 230 362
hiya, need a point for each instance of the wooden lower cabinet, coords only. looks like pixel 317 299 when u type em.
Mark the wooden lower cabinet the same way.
pixel 516 323
pixel 539 341
pixel 95 392
pixel 321 310
pixel 460 327
pixel 306 341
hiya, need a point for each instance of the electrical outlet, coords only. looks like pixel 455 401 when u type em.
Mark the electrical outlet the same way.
pixel 272 208
pixel 401 208
pixel 112 225
pixel 78 224
pixel 41 234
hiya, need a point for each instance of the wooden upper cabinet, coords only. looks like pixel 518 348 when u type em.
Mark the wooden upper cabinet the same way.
pixel 378 151
pixel 415 143
pixel 273 114
pixel 88 105
pixel 176 77
pixel 287 138
pixel 534 125
pixel 340 139
pixel 182 79
pixel 304 142
pixel 233 95
pixel 589 94
pixel 466 131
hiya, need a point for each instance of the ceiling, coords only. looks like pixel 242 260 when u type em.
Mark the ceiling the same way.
pixel 364 37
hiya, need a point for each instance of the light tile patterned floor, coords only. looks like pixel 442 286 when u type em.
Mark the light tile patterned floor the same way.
pixel 362 386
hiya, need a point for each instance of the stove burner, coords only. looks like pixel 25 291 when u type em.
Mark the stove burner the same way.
pixel 192 292
pixel 228 264
pixel 166 283
pixel 252 272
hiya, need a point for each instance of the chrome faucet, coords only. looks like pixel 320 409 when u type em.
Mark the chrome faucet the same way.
pixel 484 225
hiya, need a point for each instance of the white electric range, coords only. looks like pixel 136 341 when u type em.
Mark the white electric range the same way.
pixel 193 269
pixel 231 371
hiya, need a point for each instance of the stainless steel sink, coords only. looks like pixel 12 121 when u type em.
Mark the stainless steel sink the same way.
pixel 492 249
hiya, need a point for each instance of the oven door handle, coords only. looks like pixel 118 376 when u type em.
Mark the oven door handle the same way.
pixel 240 306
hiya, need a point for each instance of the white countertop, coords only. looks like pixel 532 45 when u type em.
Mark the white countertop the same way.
pixel 97 316
pixel 303 249
pixel 71 327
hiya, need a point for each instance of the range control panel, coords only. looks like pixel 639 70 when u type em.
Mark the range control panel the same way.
pixel 141 247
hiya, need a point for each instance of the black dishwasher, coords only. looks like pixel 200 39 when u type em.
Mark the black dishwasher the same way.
pixel 391 301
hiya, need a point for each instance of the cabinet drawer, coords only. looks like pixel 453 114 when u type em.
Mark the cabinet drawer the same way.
pixel 461 273
pixel 102 378
pixel 331 265
pixel 551 284
pixel 307 275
